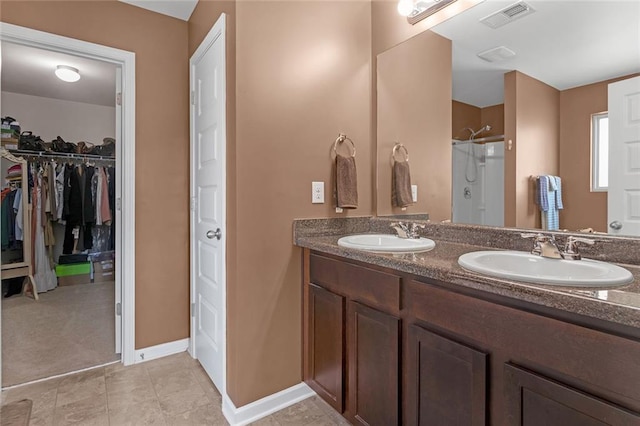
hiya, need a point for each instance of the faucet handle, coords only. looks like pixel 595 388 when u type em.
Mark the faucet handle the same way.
pixel 572 240
pixel 413 230
pixel 538 236
pixel 571 251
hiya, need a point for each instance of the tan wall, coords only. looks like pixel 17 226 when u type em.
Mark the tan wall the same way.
pixel 532 121
pixel 576 107
pixel 303 75
pixel 510 150
pixel 464 116
pixel 162 163
pixel 469 116
pixel 493 116
pixel 414 108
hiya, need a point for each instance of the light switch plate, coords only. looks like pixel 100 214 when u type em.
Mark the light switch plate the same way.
pixel 317 192
pixel 414 193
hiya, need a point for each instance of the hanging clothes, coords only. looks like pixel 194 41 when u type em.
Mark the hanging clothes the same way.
pixel 9 221
pixel 17 209
pixel 44 276
pixel 112 202
pixel 53 199
pixel 59 190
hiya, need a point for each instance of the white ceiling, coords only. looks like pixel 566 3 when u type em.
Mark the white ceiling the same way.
pixel 565 44
pixel 30 71
pixel 181 9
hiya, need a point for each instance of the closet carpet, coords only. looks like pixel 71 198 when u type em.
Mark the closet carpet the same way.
pixel 68 329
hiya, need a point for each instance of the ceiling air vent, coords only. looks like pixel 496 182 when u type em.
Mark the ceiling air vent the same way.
pixel 497 54
pixel 508 14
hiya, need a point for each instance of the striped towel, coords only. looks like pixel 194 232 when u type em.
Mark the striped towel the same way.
pixel 549 198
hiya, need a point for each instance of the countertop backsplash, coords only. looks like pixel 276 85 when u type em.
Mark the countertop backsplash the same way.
pixel 624 250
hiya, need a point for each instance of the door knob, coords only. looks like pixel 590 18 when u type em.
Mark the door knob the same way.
pixel 214 234
pixel 615 225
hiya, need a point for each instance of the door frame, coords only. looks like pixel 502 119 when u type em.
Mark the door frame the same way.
pixel 218 31
pixel 125 160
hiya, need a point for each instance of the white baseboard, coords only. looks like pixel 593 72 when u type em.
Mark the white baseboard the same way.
pixel 159 351
pixel 265 406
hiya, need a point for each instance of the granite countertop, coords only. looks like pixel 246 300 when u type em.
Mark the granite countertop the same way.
pixel 619 305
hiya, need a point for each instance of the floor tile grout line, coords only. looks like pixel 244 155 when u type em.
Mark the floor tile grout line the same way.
pixel 146 370
pixel 106 396
pixel 58 376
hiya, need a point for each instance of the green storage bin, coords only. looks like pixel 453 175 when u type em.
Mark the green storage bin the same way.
pixel 73 269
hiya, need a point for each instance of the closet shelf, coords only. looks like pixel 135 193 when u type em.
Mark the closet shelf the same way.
pixel 60 155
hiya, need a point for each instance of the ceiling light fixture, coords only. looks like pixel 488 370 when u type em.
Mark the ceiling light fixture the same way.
pixel 405 7
pixel 67 73
pixel 416 11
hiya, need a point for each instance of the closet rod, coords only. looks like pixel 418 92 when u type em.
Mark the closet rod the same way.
pixel 60 155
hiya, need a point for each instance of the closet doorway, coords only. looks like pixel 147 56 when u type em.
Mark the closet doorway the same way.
pixel 80 205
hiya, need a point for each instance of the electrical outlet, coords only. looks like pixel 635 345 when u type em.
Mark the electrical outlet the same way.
pixel 414 193
pixel 317 192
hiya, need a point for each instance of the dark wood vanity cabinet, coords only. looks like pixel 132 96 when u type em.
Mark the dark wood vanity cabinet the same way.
pixel 352 339
pixel 373 364
pixel 386 348
pixel 533 399
pixel 446 381
pixel 326 345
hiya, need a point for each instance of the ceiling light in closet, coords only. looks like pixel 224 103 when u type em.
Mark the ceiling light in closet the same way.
pixel 67 73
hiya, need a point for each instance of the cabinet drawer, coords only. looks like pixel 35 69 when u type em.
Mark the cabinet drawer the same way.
pixel 373 288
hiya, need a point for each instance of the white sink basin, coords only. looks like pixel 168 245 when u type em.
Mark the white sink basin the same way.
pixel 385 243
pixel 527 267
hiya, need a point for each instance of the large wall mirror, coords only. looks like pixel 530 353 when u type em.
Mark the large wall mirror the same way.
pixel 490 100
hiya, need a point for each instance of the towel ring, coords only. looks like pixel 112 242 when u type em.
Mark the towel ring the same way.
pixel 397 147
pixel 341 138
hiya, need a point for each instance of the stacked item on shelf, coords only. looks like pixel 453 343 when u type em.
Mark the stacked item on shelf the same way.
pixel 81 268
pixel 103 266
pixel 73 269
pixel 10 132
pixel 14 175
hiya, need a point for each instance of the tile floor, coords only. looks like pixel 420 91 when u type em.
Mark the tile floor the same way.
pixel 173 390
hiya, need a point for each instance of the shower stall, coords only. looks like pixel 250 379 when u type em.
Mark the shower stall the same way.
pixel 478 180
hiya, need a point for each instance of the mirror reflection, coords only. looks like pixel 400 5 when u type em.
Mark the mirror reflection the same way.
pixel 526 97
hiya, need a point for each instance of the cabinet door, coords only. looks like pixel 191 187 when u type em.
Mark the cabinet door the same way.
pixel 373 343
pixel 533 399
pixel 326 346
pixel 446 381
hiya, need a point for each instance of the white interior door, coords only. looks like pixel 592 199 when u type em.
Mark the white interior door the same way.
pixel 624 157
pixel 208 164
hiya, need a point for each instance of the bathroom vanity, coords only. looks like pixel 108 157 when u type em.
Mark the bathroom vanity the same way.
pixel 414 339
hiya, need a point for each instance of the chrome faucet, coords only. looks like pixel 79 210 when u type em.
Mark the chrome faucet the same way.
pixel 546 246
pixel 407 231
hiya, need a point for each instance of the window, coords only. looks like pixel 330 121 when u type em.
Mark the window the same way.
pixel 600 152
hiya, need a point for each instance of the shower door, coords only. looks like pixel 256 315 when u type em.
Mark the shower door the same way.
pixel 478 183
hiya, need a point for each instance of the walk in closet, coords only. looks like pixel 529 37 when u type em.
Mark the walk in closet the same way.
pixel 58 174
